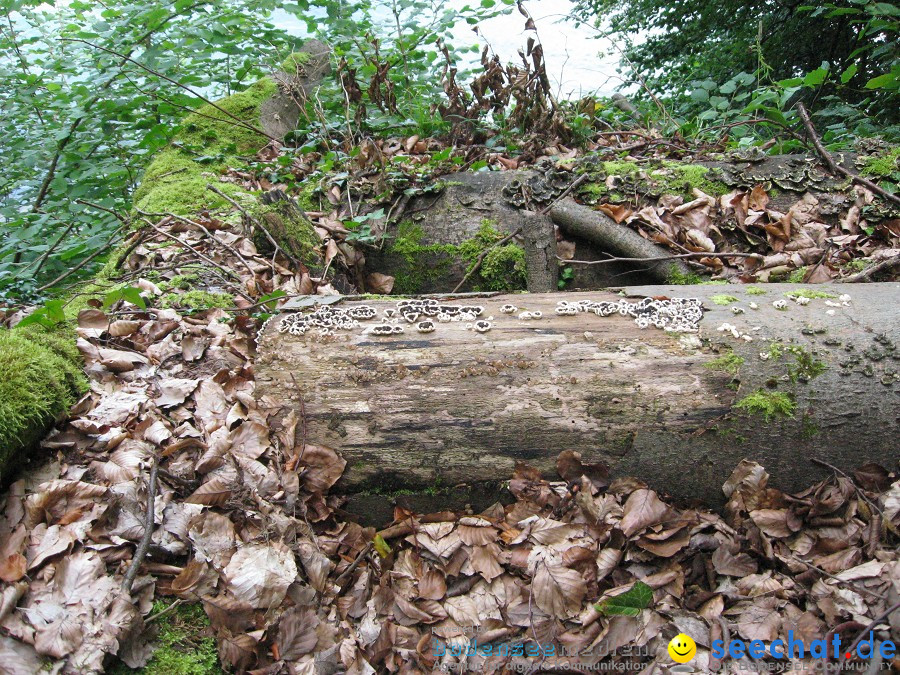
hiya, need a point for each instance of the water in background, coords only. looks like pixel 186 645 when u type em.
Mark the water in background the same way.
pixel 578 62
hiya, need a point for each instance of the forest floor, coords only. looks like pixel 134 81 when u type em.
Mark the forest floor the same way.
pixel 607 570
pixel 175 528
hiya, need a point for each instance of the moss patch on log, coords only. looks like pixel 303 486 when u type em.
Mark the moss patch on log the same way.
pixel 209 140
pixel 294 233
pixel 653 179
pixel 40 379
pixel 417 264
pixel 769 404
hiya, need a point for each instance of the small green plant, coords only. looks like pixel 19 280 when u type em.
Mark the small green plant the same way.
pixel 805 367
pixel 798 275
pixel 723 299
pixel 566 275
pixel 755 290
pixel 729 363
pixel 769 404
pixel 679 278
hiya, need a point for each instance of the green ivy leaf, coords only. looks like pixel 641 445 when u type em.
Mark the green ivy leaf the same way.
pixel 629 603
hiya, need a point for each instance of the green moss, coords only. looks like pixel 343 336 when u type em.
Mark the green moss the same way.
pixel 503 267
pixel 679 278
pixel 40 379
pixel 684 178
pixel 197 300
pixel 806 293
pixel 882 166
pixel 858 264
pixel 294 233
pixel 729 363
pixel 307 196
pixel 180 281
pixel 723 299
pixel 769 404
pixel 805 367
pixel 797 276
pixel 755 290
pixel 186 645
pixel 175 181
pixel 295 61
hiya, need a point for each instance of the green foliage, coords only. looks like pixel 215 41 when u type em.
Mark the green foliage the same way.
pixel 769 404
pixel 723 299
pixel 185 644
pixel 679 278
pixel 79 123
pixel 40 379
pixel 630 603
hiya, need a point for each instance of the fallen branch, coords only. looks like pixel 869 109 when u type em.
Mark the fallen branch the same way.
pixel 141 551
pixel 833 166
pixel 600 229
pixel 209 234
pixel 680 256
pixel 872 270
pixel 877 620
pixel 481 258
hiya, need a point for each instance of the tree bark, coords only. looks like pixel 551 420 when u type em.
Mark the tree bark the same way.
pixel 454 406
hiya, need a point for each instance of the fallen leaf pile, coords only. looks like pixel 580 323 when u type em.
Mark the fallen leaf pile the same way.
pixel 243 522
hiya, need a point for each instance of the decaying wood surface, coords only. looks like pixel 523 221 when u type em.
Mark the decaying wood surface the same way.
pixel 454 406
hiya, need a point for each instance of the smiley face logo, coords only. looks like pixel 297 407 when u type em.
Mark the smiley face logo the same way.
pixel 682 648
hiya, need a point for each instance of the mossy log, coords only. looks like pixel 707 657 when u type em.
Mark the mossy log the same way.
pixel 413 411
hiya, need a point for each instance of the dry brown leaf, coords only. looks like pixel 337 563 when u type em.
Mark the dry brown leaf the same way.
pixel 559 591
pixel 297 633
pixel 642 509
pixel 260 574
pixel 214 492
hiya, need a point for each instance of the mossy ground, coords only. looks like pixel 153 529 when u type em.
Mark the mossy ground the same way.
pixel 40 379
pixel 418 265
pixel 811 295
pixel 882 166
pixel 185 644
pixel 729 363
pixel 723 299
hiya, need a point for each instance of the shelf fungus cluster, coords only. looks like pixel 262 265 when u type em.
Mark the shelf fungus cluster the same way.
pixel 680 315
pixel 673 315
pixel 423 315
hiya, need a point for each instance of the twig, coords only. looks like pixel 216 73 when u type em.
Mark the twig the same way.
pixel 141 551
pixel 163 612
pixel 862 495
pixel 225 271
pixel 679 256
pixel 71 271
pixel 842 582
pixel 209 234
pixel 834 166
pixel 213 188
pixel 877 620
pixel 356 561
pixel 481 258
pixel 872 270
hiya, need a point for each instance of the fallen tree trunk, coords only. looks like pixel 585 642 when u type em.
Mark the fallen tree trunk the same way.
pixel 416 410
